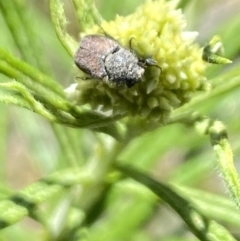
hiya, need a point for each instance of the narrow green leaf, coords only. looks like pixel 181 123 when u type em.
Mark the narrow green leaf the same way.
pixel 211 205
pixel 24 32
pixel 24 202
pixel 87 13
pixel 217 232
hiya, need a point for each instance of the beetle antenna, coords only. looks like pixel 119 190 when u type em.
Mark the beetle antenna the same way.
pixel 148 62
pixel 106 33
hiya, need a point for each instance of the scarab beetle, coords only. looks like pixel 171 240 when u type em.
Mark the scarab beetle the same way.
pixel 102 57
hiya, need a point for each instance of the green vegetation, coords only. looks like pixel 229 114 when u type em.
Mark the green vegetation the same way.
pixel 70 173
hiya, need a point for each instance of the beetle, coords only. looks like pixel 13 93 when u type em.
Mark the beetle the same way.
pixel 102 57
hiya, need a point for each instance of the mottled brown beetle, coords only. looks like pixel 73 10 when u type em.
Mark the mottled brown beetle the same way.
pixel 102 57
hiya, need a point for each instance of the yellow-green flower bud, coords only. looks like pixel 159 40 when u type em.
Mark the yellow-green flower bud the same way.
pixel 213 50
pixel 156 30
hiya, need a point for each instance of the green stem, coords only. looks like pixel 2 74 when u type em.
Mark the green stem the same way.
pixel 45 95
pixel 34 105
pixel 85 119
pixel 203 228
pixel 224 155
pixel 31 72
pixel 59 21
pixel 180 205
pixel 11 97
pixel 221 146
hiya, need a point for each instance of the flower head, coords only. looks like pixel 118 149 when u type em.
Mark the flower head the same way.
pixel 155 30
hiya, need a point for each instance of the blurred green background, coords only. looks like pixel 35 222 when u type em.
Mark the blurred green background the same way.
pixel 29 149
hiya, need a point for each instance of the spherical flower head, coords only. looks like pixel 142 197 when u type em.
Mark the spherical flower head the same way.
pixel 155 30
